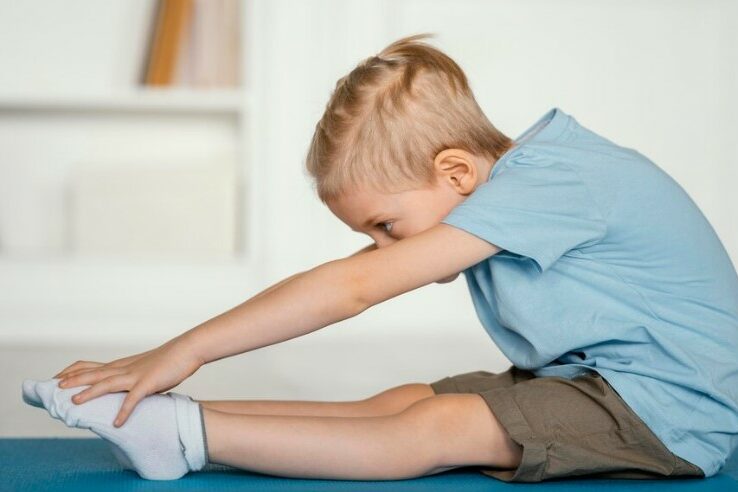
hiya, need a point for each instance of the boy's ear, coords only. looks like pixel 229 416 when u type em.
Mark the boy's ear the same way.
pixel 456 168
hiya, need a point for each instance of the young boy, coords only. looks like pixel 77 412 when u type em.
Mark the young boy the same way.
pixel 592 270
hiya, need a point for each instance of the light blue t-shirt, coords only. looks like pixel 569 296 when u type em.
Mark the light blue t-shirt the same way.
pixel 608 265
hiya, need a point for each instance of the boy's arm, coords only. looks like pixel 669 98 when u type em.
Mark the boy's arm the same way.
pixel 337 290
pixel 405 265
pixel 365 249
pixel 269 289
pixel 300 304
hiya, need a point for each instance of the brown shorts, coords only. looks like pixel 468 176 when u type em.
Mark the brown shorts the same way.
pixel 569 427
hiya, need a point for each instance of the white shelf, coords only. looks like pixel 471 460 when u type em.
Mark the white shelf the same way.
pixel 71 261
pixel 174 100
pixel 52 294
pixel 98 288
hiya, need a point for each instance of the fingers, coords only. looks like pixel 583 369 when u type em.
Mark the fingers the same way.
pixel 129 403
pixel 84 365
pixel 80 364
pixel 111 384
pixel 114 364
pixel 72 374
pixel 91 376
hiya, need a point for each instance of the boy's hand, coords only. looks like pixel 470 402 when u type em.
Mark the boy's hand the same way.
pixel 141 375
pixel 82 365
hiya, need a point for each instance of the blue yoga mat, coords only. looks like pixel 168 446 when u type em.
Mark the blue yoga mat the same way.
pixel 82 465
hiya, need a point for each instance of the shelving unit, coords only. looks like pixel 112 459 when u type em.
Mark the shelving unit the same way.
pixel 44 290
pixel 210 101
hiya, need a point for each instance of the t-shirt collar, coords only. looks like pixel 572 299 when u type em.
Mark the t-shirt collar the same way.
pixel 548 128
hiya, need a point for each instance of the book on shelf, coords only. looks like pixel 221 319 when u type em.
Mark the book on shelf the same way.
pixel 194 43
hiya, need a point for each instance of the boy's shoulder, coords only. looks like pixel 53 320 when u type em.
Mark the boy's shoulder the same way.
pixel 572 151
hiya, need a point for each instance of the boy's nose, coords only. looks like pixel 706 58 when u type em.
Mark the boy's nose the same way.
pixel 384 242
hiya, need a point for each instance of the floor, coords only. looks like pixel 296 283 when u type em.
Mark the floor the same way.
pixel 82 465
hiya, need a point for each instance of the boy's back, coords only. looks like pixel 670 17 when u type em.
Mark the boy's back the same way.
pixel 608 265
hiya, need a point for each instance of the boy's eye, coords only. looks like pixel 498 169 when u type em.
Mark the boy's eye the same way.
pixel 384 225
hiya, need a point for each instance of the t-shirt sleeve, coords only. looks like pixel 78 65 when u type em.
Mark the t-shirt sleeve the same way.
pixel 534 207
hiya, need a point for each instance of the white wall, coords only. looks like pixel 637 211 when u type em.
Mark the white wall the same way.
pixel 658 76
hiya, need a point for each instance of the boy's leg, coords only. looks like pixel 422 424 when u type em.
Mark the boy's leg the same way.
pixel 431 435
pixel 388 402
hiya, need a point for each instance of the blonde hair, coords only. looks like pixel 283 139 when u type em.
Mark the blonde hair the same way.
pixel 391 115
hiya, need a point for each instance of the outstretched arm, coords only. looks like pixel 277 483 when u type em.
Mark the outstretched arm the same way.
pixel 298 305
pixel 371 247
pixel 337 290
pixel 227 318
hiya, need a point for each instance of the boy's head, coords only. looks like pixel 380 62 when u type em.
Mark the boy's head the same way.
pixel 401 142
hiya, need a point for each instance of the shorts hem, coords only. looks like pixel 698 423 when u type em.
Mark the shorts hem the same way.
pixel 624 448
pixel 445 385
pixel 535 455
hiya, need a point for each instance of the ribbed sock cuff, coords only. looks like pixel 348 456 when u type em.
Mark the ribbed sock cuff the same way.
pixel 204 434
pixel 191 429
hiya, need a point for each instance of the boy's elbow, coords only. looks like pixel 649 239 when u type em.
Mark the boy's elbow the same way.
pixel 349 284
pixel 358 301
pixel 363 286
pixel 356 287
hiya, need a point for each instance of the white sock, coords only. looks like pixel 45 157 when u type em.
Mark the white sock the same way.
pixel 30 397
pixel 162 439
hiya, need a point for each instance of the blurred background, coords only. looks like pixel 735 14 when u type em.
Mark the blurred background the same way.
pixel 152 154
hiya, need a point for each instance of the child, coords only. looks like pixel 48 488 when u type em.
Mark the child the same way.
pixel 591 269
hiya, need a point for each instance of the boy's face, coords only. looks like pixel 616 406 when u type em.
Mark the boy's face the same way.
pixel 389 217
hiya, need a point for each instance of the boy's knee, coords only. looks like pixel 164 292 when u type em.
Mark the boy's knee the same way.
pixel 438 418
pixel 399 398
pixel 462 430
pixel 443 412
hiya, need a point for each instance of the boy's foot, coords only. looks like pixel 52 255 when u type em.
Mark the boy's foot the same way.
pixel 162 439
pixel 30 397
